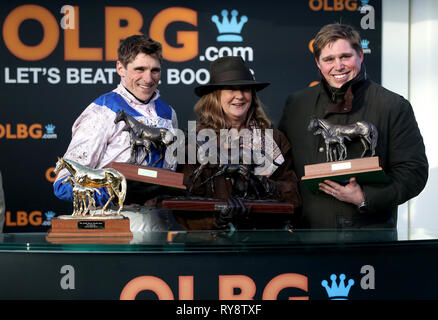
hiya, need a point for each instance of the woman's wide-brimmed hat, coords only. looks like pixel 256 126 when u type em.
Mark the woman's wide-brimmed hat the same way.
pixel 229 71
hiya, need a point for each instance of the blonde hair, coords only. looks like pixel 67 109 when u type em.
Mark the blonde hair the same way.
pixel 210 114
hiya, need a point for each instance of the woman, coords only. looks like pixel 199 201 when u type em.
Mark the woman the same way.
pixel 230 101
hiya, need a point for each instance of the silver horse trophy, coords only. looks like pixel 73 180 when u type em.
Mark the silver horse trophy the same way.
pixel 85 180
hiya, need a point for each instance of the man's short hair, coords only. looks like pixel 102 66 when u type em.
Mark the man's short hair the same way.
pixel 130 47
pixel 332 32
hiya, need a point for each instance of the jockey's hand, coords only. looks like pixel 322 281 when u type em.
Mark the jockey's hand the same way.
pixel 351 193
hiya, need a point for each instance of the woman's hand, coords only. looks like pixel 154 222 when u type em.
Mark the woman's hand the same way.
pixel 236 211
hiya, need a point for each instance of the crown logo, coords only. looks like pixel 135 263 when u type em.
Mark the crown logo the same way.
pixel 49 215
pixel 338 292
pixel 364 43
pixel 229 29
pixel 50 128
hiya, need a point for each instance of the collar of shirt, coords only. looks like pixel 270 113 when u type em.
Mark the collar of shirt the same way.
pixel 145 108
pixel 343 97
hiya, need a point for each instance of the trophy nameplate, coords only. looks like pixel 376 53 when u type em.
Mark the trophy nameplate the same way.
pixel 151 175
pixel 365 170
pixel 90 229
pixel 218 205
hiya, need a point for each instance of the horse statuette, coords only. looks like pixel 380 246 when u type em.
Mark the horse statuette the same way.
pixel 334 136
pixel 243 179
pixel 112 180
pixel 146 137
pixel 81 195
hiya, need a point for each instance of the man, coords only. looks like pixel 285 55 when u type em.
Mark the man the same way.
pixel 96 139
pixel 346 95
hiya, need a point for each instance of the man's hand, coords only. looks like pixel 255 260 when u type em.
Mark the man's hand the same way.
pixel 351 193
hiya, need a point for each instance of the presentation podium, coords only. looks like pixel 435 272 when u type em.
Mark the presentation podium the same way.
pixel 223 265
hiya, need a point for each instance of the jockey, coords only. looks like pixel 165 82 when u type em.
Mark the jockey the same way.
pixel 96 139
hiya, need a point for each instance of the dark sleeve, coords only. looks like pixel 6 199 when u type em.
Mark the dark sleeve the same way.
pixel 284 177
pixel 282 125
pixel 406 162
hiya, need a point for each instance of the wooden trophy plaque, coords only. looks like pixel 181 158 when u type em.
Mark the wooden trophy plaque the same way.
pixel 366 170
pixel 151 175
pixel 217 205
pixel 90 229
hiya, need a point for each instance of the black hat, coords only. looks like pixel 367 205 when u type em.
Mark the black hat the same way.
pixel 229 71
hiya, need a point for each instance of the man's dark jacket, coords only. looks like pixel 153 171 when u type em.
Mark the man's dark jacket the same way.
pixel 400 150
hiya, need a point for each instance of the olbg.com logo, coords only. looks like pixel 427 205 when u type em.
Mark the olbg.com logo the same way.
pixel 24 131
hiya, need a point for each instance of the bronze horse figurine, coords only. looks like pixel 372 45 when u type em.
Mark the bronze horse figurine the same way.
pixel 241 174
pixel 333 133
pixel 336 153
pixel 144 136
